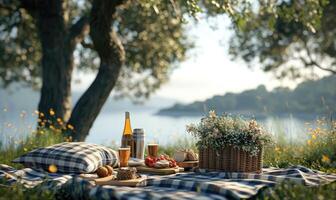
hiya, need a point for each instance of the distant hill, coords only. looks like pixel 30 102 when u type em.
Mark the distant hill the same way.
pixel 17 99
pixel 309 97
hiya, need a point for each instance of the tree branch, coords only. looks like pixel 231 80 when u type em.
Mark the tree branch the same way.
pixel 79 30
pixel 314 63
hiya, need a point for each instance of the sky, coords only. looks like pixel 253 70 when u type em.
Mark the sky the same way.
pixel 208 71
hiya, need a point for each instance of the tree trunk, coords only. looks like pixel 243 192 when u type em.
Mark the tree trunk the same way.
pixel 111 53
pixel 57 64
pixel 58 44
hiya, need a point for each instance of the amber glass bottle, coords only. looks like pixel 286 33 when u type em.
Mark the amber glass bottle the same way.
pixel 127 137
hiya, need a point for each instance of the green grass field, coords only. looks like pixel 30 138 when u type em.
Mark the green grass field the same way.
pixel 318 152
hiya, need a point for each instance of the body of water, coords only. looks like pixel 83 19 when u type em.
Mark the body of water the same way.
pixel 163 129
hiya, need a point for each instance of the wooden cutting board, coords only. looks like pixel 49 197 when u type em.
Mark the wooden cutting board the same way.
pixel 110 180
pixel 165 171
pixel 188 164
pixel 139 182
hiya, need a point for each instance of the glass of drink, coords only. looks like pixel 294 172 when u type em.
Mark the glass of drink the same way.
pixel 153 150
pixel 124 155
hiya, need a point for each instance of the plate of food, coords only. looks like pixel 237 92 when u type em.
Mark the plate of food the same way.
pixel 162 165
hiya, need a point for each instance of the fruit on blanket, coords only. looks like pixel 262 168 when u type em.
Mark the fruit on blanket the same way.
pixel 149 161
pixel 102 172
pixel 166 162
pixel 52 168
pixel 109 169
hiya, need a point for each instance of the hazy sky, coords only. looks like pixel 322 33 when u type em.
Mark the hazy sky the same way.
pixel 209 70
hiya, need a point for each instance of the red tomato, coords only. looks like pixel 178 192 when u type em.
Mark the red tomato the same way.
pixel 149 162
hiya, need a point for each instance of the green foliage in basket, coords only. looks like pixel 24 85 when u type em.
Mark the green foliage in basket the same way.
pixel 226 130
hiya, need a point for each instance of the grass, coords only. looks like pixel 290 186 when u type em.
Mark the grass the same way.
pixel 14 148
pixel 318 152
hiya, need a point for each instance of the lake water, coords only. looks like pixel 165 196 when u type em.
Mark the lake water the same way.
pixel 163 129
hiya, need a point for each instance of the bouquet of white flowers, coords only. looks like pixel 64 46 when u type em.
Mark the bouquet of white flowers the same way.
pixel 220 131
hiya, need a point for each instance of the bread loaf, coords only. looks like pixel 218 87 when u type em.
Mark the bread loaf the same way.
pixel 102 172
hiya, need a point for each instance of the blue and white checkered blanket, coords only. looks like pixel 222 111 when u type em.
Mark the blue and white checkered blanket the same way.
pixel 193 185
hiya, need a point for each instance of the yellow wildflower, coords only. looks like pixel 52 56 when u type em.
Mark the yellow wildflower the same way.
pixel 70 127
pixel 52 168
pixel 309 142
pixel 325 159
pixel 52 127
pixel 277 149
pixel 36 112
pixel 25 149
pixel 51 112
pixel 41 114
pixel 314 137
pixel 59 120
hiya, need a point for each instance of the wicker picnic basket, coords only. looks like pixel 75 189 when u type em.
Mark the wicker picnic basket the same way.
pixel 230 159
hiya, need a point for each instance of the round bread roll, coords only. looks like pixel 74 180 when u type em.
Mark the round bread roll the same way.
pixel 109 169
pixel 191 155
pixel 102 172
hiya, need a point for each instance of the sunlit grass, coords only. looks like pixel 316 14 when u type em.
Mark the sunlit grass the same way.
pixel 317 152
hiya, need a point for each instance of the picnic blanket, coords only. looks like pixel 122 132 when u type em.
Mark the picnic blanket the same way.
pixel 194 185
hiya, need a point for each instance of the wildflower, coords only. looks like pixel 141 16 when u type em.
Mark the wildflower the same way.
pixel 52 127
pixel 52 168
pixel 325 159
pixel 277 149
pixel 212 113
pixel 51 112
pixel 70 127
pixel 41 114
pixel 25 149
pixel 36 112
pixel 314 137
pixel 309 142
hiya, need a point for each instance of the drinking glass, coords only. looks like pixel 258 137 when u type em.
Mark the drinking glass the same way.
pixel 124 155
pixel 152 150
